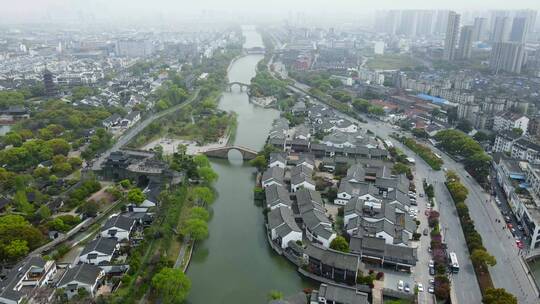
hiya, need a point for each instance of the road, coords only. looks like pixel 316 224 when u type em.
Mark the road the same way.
pixel 132 132
pixel 510 272
pixel 465 286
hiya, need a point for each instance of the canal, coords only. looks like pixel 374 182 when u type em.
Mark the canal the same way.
pixel 235 264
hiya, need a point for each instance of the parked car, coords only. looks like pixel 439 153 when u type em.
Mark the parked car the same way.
pixel 520 227
pixel 432 281
pixel 431 289
pixel 520 244
pixel 407 288
pixel 421 195
pixel 431 270
pixel 420 287
pixel 431 264
pixel 507 219
pixel 425 232
pixel 400 285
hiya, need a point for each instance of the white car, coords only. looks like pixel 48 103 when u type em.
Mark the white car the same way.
pixel 431 289
pixel 430 263
pixel 420 287
pixel 400 285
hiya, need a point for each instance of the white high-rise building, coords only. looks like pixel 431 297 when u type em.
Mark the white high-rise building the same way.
pixel 451 38
pixel 378 48
pixel 465 42
pixel 507 56
pixel 501 29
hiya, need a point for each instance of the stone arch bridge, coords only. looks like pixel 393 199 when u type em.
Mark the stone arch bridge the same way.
pixel 223 152
pixel 241 85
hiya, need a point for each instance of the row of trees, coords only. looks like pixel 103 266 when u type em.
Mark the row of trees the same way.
pixel 364 106
pixel 480 257
pixel 457 143
pixel 442 284
pixel 424 152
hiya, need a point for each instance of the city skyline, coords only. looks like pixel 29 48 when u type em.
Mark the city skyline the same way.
pixel 100 10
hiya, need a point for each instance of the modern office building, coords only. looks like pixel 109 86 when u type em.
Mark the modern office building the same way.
pixel 451 38
pixel 507 56
pixel 465 42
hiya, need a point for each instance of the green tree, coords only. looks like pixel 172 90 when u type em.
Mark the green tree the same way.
pixel 41 172
pixel 201 160
pixel 207 174
pixel 481 258
pixel 199 213
pixel 13 138
pixel 15 250
pixel 59 146
pixel 204 194
pixel 465 126
pixel 196 228
pixel 44 212
pixel 136 196
pixel 498 296
pixel 275 295
pixel 340 244
pixel 259 162
pixel 89 208
pixel 21 203
pixel 172 285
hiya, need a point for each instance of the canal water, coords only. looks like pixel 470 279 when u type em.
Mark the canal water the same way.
pixel 235 264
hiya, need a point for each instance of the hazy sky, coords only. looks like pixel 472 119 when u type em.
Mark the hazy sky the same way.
pixel 28 10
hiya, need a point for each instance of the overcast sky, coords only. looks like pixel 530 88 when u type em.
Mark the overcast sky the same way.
pixel 37 10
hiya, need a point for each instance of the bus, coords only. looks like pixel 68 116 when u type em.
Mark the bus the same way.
pixel 454 265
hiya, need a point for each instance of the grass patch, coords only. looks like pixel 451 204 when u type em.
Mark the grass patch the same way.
pixel 392 62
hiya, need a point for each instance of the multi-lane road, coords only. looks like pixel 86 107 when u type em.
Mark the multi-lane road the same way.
pixel 510 272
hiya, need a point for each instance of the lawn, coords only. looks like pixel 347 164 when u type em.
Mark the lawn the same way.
pixel 392 62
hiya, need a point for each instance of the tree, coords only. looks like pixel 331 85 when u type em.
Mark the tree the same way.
pixel 207 174
pixel 44 212
pixel 199 213
pixel 15 250
pixel 89 208
pixel 201 160
pixel 275 295
pixel 498 296
pixel 15 227
pixel 13 139
pixel 59 146
pixel 465 126
pixel 196 228
pixel 172 285
pixel 21 203
pixel 481 258
pixel 340 244
pixel 125 183
pixel 259 162
pixel 204 194
pixel 136 196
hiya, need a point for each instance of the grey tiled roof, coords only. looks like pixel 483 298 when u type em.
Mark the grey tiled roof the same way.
pixel 277 194
pixel 83 273
pixel 333 258
pixel 340 294
pixel 102 245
